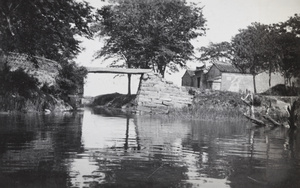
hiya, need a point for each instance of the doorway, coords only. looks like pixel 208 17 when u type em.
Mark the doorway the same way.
pixel 198 82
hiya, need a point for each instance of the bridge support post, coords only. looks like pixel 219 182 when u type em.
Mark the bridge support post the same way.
pixel 129 84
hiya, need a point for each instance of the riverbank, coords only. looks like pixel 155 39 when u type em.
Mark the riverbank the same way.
pixel 37 84
pixel 44 103
pixel 206 104
pixel 213 105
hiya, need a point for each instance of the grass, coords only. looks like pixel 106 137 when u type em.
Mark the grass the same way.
pixel 213 105
pixel 197 111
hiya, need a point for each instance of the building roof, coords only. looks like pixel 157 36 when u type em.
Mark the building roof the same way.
pixel 226 67
pixel 198 69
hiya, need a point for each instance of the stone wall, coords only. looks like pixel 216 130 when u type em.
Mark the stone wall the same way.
pixel 237 82
pixel 156 95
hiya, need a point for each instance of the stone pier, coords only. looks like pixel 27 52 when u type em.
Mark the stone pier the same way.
pixel 156 95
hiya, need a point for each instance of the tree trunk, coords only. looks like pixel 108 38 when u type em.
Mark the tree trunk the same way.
pixel 129 84
pixel 162 73
pixel 254 84
pixel 270 73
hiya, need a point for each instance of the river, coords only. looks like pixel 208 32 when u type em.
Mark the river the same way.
pixel 98 148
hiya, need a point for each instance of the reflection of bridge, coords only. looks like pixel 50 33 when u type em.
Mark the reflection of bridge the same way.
pixel 128 71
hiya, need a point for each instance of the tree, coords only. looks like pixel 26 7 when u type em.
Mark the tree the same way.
pixel 254 50
pixel 288 45
pixel 43 27
pixel 46 28
pixel 149 33
pixel 216 51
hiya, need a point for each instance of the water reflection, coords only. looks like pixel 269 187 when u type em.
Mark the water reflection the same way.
pixel 32 149
pixel 101 148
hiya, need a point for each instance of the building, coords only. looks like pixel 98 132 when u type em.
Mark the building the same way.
pixel 216 72
pixel 194 78
pixel 226 77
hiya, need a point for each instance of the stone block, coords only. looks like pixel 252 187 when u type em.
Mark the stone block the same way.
pixel 151 105
pixel 159 87
pixel 167 103
pixel 143 109
pixel 166 99
pixel 142 94
pixel 152 94
pixel 164 95
pixel 156 101
pixel 145 99
pixel 150 89
pixel 160 111
pixel 148 85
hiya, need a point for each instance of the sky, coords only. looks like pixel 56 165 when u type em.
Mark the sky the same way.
pixel 224 19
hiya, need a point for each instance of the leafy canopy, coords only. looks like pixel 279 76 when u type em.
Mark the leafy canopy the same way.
pixel 252 47
pixel 43 27
pixel 149 33
pixel 288 46
pixel 216 52
pixel 260 47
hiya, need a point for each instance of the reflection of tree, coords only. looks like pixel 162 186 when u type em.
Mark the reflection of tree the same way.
pixel 37 149
pixel 248 157
pixel 271 161
pixel 210 140
pixel 110 112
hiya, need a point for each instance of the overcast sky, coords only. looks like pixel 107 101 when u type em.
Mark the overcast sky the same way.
pixel 224 19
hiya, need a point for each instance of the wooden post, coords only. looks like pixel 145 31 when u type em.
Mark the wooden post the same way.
pixel 129 84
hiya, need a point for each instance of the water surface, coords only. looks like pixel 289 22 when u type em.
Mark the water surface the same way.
pixel 99 148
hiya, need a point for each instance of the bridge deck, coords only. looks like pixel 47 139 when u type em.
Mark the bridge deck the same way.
pixel 117 70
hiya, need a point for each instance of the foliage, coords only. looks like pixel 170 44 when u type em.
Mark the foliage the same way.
pixel 17 83
pixel 215 105
pixel 282 90
pixel 71 79
pixel 15 88
pixel 216 52
pixel 251 48
pixel 149 33
pixel 114 100
pixel 43 27
pixel 260 48
pixel 288 45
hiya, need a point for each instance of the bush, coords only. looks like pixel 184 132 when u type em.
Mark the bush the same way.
pixel 282 90
pixel 70 79
pixel 18 83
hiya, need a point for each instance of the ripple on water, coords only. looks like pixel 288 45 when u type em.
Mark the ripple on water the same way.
pixel 91 150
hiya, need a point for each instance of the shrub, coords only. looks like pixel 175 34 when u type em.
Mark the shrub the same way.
pixel 18 83
pixel 70 79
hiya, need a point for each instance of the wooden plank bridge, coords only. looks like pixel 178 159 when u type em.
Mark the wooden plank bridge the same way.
pixel 128 71
pixel 117 70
